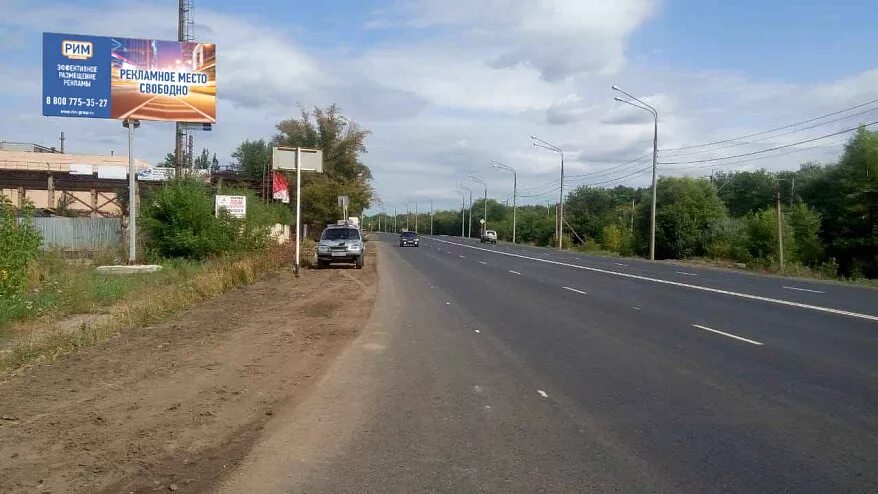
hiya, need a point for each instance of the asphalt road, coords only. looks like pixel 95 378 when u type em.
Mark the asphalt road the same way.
pixel 516 369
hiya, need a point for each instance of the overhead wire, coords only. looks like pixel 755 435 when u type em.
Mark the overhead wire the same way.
pixel 813 119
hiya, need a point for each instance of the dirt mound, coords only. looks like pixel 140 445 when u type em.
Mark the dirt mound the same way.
pixel 178 403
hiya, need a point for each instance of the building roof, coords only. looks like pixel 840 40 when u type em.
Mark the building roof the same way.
pixel 57 162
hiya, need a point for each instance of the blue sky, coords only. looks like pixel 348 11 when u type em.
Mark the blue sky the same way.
pixel 448 85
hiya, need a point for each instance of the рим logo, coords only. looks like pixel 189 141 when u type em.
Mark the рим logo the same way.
pixel 77 50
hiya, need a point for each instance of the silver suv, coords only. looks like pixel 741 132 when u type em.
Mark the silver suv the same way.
pixel 341 243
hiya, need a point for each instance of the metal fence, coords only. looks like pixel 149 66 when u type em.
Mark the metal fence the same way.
pixel 79 234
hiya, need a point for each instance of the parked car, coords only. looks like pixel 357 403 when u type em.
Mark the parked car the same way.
pixel 489 236
pixel 341 243
pixel 409 238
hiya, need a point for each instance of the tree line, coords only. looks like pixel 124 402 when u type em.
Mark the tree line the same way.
pixel 828 212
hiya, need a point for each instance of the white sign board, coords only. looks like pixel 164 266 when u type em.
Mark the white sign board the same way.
pixel 284 158
pixel 235 205
pixel 343 202
pixel 118 172
pixel 79 169
pixel 156 174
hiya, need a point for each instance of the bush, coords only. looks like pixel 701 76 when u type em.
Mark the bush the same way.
pixel 179 221
pixel 19 244
pixel 611 238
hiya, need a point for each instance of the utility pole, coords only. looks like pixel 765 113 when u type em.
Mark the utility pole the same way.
pixel 62 142
pixel 779 232
pixel 416 217
pixel 394 220
pixel 431 217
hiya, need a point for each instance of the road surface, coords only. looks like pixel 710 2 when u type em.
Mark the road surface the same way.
pixel 519 369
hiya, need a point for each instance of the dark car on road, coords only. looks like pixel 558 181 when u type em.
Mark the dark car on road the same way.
pixel 409 238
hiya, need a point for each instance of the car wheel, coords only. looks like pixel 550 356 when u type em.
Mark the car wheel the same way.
pixel 322 264
pixel 359 263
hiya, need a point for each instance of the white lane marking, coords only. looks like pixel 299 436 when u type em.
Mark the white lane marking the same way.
pixel 752 342
pixel 684 273
pixel 578 259
pixel 803 289
pixel 748 296
pixel 477 331
pixel 483 262
pixel 462 257
pixel 543 393
pixel 514 272
pixel 620 264
pixel 574 290
pixel 447 303
pixel 636 308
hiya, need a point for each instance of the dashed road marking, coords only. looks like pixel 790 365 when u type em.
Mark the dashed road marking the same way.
pixel 748 296
pixel 803 289
pixel 752 342
pixel 543 393
pixel 574 290
pixel 514 272
pixel 476 331
pixel 636 308
pixel 684 273
pixel 483 262
pixel 620 264
pixel 462 257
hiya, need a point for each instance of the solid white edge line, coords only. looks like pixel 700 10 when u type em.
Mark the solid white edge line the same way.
pixel 748 296
pixel 752 342
pixel 803 289
pixel 574 290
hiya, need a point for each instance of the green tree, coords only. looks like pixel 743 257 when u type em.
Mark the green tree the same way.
pixel 805 225
pixel 252 158
pixel 745 192
pixel 688 214
pixel 202 161
pixel 342 142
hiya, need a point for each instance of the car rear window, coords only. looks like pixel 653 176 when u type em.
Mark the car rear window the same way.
pixel 340 234
pixel 409 234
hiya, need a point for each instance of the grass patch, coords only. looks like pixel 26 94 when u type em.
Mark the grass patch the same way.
pixel 129 301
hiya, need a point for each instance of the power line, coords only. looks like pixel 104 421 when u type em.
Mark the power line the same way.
pixel 769 149
pixel 775 135
pixel 694 146
pixel 610 169
pixel 750 160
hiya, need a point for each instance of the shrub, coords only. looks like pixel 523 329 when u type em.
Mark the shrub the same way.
pixel 19 244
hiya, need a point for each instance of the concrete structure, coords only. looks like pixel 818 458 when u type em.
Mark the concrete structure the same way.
pixel 86 184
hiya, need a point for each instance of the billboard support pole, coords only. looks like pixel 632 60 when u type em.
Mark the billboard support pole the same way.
pixel 132 194
pixel 298 205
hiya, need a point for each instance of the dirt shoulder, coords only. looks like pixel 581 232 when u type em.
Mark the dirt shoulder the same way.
pixel 181 402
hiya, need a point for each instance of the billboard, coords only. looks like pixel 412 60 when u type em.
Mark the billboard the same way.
pixel 145 79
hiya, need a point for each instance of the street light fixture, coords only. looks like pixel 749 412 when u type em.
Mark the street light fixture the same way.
pixel 464 187
pixel 499 165
pixel 485 217
pixel 551 147
pixel 647 107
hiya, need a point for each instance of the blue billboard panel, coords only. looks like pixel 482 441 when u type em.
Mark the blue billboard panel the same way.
pixel 76 76
pixel 121 78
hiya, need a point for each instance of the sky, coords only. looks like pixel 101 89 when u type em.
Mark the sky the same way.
pixel 447 86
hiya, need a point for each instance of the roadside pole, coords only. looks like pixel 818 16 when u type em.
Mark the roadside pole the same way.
pixel 779 232
pixel 298 207
pixel 132 192
pixel 431 217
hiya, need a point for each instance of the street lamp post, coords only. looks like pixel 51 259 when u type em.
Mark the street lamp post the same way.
pixel 431 217
pixel 498 164
pixel 462 213
pixel 646 107
pixel 485 185
pixel 470 228
pixel 551 147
